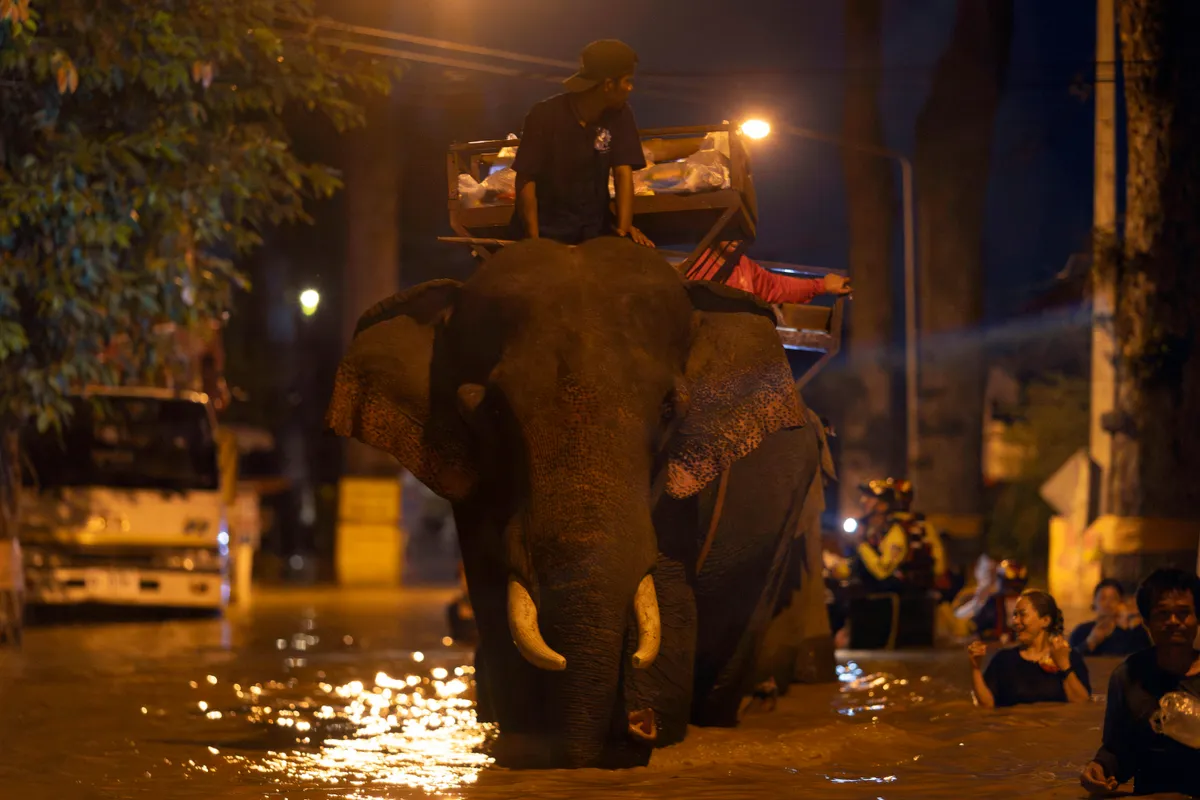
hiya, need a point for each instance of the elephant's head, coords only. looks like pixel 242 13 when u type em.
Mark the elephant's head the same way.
pixel 568 387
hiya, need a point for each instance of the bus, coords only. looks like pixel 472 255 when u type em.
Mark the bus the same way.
pixel 124 505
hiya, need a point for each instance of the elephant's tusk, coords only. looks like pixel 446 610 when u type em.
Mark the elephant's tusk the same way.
pixel 523 623
pixel 645 605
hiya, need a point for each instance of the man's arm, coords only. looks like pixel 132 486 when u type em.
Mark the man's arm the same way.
pixel 1116 752
pixel 527 205
pixel 664 150
pixel 893 548
pixel 626 156
pixel 772 287
pixel 1079 636
pixel 623 178
pixel 529 163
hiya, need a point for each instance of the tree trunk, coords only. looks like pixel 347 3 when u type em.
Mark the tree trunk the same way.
pixel 372 170
pixel 12 578
pixel 869 432
pixel 1155 482
pixel 954 141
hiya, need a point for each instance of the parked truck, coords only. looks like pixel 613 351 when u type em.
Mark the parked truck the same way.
pixel 127 506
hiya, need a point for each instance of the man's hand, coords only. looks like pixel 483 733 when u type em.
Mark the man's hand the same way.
pixel 1102 630
pixel 976 651
pixel 837 284
pixel 637 236
pixel 1095 781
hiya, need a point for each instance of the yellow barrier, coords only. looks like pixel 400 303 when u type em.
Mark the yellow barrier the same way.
pixel 369 500
pixel 370 538
pixel 369 555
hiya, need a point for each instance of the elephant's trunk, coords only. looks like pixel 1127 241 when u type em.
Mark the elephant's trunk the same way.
pixel 523 623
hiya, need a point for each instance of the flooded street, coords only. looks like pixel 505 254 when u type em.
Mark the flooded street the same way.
pixel 356 695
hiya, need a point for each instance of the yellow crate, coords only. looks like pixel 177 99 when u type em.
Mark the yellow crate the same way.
pixel 369 500
pixel 369 555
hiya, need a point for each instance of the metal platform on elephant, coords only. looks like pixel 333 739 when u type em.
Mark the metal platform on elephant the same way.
pixel 811 334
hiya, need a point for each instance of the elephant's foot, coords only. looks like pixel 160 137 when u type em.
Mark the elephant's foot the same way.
pixel 642 726
pixel 764 697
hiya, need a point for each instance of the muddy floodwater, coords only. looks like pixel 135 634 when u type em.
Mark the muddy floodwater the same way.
pixel 356 695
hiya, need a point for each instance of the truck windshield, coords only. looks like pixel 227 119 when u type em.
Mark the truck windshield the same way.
pixel 129 443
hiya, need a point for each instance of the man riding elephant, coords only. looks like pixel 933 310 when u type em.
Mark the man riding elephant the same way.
pixel 627 457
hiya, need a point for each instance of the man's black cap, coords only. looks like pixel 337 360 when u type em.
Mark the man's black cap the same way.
pixel 607 59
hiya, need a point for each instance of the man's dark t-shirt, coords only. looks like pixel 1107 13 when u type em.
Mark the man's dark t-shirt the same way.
pixel 570 164
pixel 1121 642
pixel 1014 680
pixel 1131 749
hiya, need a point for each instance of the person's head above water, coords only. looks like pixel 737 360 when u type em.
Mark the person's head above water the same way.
pixel 1167 600
pixel 1107 597
pixel 606 70
pixel 1036 613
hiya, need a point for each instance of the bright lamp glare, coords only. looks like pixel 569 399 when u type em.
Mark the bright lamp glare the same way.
pixel 850 525
pixel 309 300
pixel 756 128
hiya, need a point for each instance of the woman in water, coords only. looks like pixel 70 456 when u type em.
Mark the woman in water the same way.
pixel 1041 668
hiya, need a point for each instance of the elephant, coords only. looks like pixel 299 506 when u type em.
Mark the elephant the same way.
pixel 627 457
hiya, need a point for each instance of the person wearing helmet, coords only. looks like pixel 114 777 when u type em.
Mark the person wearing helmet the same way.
pixel 992 621
pixel 925 566
pixel 884 544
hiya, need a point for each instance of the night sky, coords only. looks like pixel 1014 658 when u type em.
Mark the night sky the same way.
pixel 784 61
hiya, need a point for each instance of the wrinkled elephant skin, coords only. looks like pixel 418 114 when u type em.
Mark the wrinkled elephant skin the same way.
pixel 579 406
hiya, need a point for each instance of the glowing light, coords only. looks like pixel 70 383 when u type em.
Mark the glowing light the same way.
pixel 403 732
pixel 309 300
pixel 418 657
pixel 756 128
pixel 439 673
pixel 212 679
pixel 850 525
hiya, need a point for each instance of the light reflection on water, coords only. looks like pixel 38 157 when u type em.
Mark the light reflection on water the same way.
pixel 418 732
pixel 893 725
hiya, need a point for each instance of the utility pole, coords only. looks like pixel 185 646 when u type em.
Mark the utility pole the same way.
pixel 1104 232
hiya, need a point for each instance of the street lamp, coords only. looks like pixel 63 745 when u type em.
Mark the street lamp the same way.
pixel 309 300
pixel 757 129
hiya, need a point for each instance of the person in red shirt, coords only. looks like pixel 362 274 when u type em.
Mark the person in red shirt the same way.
pixel 749 276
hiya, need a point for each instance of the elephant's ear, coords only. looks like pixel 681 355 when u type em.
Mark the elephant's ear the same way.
pixel 741 389
pixel 382 392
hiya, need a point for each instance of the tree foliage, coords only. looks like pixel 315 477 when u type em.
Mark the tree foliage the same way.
pixel 1051 425
pixel 142 152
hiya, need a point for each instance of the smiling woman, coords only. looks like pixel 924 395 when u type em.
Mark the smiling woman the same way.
pixel 1041 668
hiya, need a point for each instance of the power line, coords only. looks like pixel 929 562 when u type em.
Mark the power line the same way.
pixel 684 78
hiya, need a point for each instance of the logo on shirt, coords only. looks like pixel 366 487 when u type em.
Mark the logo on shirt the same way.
pixel 603 140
